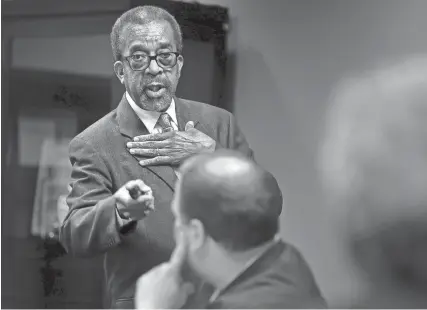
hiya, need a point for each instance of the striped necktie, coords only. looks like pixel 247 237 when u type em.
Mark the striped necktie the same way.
pixel 165 122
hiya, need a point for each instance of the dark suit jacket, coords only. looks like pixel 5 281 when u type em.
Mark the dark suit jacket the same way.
pixel 101 165
pixel 279 279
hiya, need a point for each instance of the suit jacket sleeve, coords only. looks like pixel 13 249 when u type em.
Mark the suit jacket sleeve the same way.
pixel 264 296
pixel 235 139
pixel 90 226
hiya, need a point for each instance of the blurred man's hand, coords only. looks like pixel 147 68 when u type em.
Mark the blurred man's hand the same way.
pixel 162 287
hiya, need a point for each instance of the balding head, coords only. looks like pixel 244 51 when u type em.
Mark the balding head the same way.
pixel 142 15
pixel 237 202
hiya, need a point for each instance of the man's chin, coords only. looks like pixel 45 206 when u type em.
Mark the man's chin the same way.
pixel 160 104
pixel 162 107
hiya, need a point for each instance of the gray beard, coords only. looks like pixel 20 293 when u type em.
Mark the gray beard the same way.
pixel 157 104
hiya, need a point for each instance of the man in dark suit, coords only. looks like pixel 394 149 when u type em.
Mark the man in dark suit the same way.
pixel 145 138
pixel 227 212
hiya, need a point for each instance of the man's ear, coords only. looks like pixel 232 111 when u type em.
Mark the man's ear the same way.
pixel 197 234
pixel 119 71
pixel 180 63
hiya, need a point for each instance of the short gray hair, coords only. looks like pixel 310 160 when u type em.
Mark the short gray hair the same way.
pixel 143 15
pixel 374 157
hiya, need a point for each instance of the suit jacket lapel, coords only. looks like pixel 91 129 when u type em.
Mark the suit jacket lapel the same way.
pixel 131 126
pixel 184 114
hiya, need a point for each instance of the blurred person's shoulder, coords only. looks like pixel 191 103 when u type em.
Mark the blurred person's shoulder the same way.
pixel 391 296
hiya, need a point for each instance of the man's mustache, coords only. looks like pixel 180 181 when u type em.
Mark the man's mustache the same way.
pixel 164 83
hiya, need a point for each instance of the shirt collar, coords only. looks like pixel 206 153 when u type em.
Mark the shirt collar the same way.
pixel 150 118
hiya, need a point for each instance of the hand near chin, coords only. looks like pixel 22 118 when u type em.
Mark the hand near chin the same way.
pixel 163 287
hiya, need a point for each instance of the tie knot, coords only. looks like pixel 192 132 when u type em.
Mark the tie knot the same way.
pixel 165 122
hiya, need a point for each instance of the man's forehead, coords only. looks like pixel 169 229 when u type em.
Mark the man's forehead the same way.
pixel 151 33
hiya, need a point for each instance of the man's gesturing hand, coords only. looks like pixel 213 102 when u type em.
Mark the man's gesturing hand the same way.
pixel 134 209
pixel 162 287
pixel 171 148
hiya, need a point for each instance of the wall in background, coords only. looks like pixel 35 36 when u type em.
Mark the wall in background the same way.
pixel 84 55
pixel 289 55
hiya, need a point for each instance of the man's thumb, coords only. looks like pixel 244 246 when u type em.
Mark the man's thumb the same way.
pixel 189 125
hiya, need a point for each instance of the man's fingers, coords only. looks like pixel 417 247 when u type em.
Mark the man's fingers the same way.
pixel 149 275
pixel 150 152
pixel 153 137
pixel 144 187
pixel 159 160
pixel 148 144
pixel 147 198
pixel 137 188
pixel 133 184
pixel 189 125
pixel 179 254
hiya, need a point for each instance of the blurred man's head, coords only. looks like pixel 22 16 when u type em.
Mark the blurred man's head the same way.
pixel 225 205
pixel 137 35
pixel 374 165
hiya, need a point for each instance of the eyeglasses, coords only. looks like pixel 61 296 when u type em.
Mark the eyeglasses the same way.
pixel 140 62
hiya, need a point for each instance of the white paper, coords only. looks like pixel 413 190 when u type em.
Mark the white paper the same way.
pixel 32 132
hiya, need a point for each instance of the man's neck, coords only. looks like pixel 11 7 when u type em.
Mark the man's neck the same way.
pixel 229 265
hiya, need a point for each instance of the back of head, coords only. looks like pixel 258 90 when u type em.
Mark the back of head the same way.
pixel 374 164
pixel 238 202
pixel 142 15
